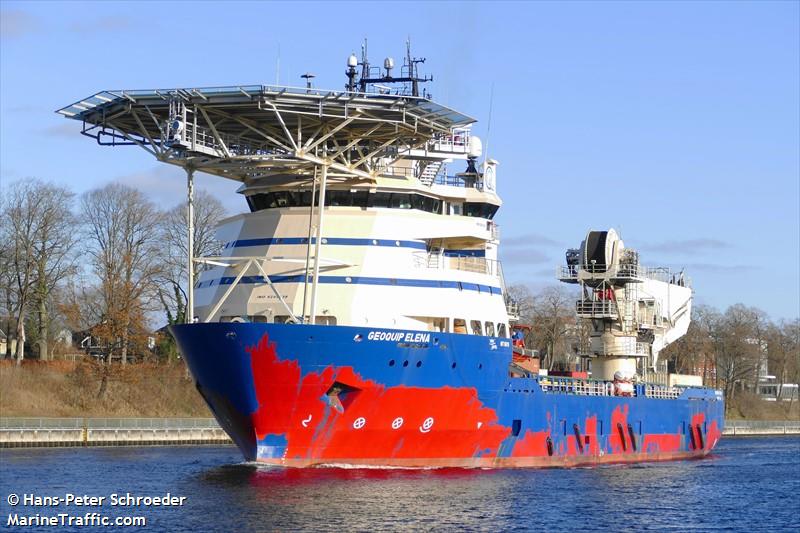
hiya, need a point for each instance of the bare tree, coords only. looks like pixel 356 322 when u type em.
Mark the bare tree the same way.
pixel 123 240
pixel 7 277
pixel 737 349
pixel 37 232
pixel 54 247
pixel 17 233
pixel 783 351
pixel 553 312
pixel 522 296
pixel 694 352
pixel 208 211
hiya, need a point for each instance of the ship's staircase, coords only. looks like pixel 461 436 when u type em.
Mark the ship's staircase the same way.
pixel 429 172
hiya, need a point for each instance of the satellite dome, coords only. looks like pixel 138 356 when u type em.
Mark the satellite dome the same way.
pixel 475 146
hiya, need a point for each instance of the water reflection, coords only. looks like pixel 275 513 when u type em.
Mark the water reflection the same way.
pixel 759 475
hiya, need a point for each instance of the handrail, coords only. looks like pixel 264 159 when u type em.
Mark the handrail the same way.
pixel 596 307
pixel 478 265
pixel 46 423
pixel 662 392
pixel 583 387
pixel 625 271
pixel 590 387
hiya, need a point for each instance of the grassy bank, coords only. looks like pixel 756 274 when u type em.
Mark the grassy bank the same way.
pixel 72 389
pixel 748 406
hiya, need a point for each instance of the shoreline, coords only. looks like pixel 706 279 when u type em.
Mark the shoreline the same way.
pixel 109 432
pixel 72 432
pixel 753 428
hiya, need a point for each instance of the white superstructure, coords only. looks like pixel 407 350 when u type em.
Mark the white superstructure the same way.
pixel 356 217
pixel 416 249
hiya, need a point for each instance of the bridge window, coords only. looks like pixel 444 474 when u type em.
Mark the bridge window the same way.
pixel 480 210
pixel 380 199
pixel 401 201
pixel 501 331
pixel 459 325
pixel 340 198
pixel 489 328
pixel 476 327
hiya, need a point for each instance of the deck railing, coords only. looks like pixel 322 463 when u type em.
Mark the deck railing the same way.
pixel 625 272
pixel 106 423
pixel 590 387
pixel 478 265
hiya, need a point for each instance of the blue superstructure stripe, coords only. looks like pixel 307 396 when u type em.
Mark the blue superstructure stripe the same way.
pixel 465 253
pixel 362 280
pixel 335 241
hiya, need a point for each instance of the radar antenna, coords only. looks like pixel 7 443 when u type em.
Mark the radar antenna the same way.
pixel 374 76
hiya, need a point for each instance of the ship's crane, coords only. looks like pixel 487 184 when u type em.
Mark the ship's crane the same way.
pixel 634 311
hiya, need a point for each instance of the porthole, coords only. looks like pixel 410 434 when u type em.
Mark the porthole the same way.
pixel 480 366
pixel 453 366
pixel 391 363
pixel 419 364
pixel 405 363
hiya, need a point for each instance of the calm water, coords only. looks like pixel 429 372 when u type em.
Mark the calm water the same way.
pixel 750 484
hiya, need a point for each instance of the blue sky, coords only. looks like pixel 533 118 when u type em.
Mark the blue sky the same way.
pixel 677 123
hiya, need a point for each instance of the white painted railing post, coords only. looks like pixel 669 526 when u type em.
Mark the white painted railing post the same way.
pixel 190 244
pixel 317 242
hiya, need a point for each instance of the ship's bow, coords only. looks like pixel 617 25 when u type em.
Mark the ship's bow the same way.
pixel 220 366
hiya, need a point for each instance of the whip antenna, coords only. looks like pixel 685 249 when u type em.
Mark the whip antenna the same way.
pixel 489 124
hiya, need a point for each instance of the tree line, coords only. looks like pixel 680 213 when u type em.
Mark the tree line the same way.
pixel 103 263
pixel 730 349
pixel 108 261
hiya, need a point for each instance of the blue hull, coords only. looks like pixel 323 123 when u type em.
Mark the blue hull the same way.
pixel 301 395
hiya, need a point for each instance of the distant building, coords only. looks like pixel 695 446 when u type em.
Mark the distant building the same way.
pixel 770 390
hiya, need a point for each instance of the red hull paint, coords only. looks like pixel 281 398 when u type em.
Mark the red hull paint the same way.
pixel 392 425
pixel 489 462
pixel 371 424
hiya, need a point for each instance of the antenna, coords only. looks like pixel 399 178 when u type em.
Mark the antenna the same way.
pixel 489 124
pixel 411 69
pixel 308 77
pixel 352 63
pixel 409 73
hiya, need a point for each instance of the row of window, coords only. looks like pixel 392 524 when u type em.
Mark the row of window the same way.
pixel 279 319
pixel 459 324
pixel 366 199
pixel 488 329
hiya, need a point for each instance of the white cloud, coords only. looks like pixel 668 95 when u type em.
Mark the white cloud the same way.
pixel 15 23
pixel 688 246
pixel 166 186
